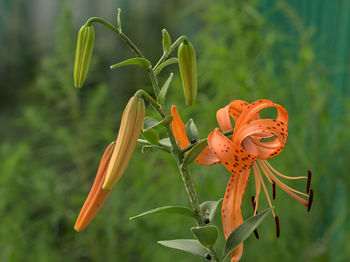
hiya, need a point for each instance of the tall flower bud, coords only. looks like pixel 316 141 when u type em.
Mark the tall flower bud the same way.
pixel 83 52
pixel 129 131
pixel 188 71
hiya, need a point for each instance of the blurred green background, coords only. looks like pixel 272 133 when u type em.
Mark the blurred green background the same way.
pixel 293 52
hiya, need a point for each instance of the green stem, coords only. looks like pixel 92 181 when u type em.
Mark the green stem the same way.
pixel 115 30
pixel 185 174
pixel 173 46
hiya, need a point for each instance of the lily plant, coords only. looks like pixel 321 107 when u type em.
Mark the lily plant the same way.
pixel 241 149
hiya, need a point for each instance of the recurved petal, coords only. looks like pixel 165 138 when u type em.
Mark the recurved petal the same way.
pixel 97 195
pixel 263 128
pixel 231 208
pixel 179 128
pixel 234 158
pixel 207 158
pixel 250 113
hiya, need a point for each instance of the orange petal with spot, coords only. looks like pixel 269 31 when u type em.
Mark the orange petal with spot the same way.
pixel 234 158
pixel 179 128
pixel 263 128
pixel 97 195
pixel 234 109
pixel 207 158
pixel 252 110
pixel 231 208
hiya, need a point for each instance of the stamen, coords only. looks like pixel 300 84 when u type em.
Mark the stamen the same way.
pixel 308 181
pixel 257 191
pixel 256 230
pixel 311 197
pixel 273 190
pixel 281 175
pixel 256 170
pixel 277 222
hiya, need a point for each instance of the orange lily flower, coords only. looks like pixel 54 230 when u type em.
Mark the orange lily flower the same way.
pixel 97 195
pixel 246 150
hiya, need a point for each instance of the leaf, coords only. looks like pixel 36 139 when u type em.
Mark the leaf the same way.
pixel 166 41
pixel 139 61
pixel 145 149
pixel 165 142
pixel 163 91
pixel 188 245
pixel 151 136
pixel 150 122
pixel 195 151
pixel 243 231
pixel 208 208
pixel 170 61
pixel 168 209
pixel 206 235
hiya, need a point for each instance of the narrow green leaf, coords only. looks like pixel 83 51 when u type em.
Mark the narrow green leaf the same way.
pixel 170 61
pixel 243 231
pixel 165 142
pixel 166 41
pixel 188 245
pixel 149 122
pixel 168 209
pixel 195 151
pixel 164 90
pixel 206 235
pixel 145 149
pixel 139 61
pixel 151 136
pixel 191 131
pixel 208 208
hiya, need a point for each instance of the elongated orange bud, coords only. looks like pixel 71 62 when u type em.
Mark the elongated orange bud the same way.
pixel 188 71
pixel 129 131
pixel 85 45
pixel 97 195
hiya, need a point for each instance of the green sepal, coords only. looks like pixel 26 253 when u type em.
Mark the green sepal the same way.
pixel 168 209
pixel 195 151
pixel 164 90
pixel 208 208
pixel 139 61
pixel 166 41
pixel 151 136
pixel 243 231
pixel 206 235
pixel 191 131
pixel 170 61
pixel 188 245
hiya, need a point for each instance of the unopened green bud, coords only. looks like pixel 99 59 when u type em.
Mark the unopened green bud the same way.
pixel 83 52
pixel 191 131
pixel 188 71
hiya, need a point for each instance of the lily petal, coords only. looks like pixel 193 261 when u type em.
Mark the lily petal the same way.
pixel 234 158
pixel 179 128
pixel 207 157
pixel 231 208
pixel 97 195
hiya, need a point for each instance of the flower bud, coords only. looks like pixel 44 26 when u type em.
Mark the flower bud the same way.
pixel 188 71
pixel 129 131
pixel 83 52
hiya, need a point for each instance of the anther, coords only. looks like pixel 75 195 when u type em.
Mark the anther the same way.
pixel 308 182
pixel 208 256
pixel 253 202
pixel 273 190
pixel 206 220
pixel 311 197
pixel 194 141
pixel 277 222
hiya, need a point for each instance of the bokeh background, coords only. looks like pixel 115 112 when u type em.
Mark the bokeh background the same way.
pixel 294 52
